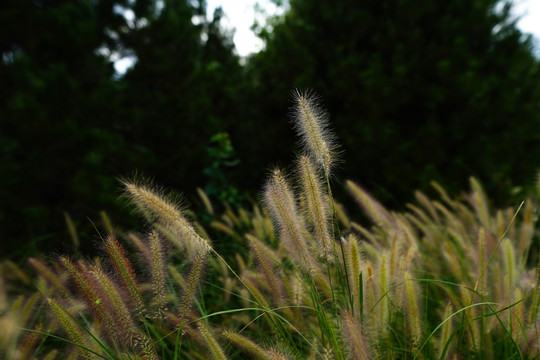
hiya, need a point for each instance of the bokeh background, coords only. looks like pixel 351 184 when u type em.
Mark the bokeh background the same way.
pixel 92 91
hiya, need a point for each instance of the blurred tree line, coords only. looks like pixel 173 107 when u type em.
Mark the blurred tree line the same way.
pixel 416 91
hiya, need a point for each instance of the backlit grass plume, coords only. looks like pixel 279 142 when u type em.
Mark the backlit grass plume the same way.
pixel 166 215
pixel 159 273
pixel 71 327
pixel 316 206
pixel 354 339
pixel 124 271
pixel 311 124
pixel 246 345
pixel 281 203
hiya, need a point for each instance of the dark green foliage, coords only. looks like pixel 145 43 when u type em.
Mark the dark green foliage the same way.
pixel 69 128
pixel 53 110
pixel 219 185
pixel 430 90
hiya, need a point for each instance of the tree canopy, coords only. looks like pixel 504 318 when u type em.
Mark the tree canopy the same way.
pixel 71 128
pixel 417 91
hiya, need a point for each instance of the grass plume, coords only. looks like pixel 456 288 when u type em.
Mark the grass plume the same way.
pixel 163 212
pixel 158 270
pixel 354 339
pixel 317 207
pixel 311 124
pixel 281 203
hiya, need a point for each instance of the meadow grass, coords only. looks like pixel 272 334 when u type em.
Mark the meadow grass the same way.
pixel 450 278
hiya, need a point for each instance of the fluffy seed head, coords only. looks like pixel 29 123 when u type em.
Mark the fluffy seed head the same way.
pixel 509 264
pixel 354 270
pixel 87 286
pixel 124 271
pixel 383 291
pixel 166 215
pixel 354 338
pixel 216 351
pixel 114 304
pixel 482 260
pixel 446 332
pixel 191 283
pixel 413 312
pixel 276 355
pixel 480 203
pixel 317 207
pixel 311 124
pixel 69 325
pixel 264 257
pixel 246 345
pixel 280 202
pixel 159 273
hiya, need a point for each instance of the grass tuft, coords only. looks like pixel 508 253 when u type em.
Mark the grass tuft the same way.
pixel 446 278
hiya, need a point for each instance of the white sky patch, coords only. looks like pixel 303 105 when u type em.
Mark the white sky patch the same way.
pixel 241 15
pixel 124 64
pixel 529 13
